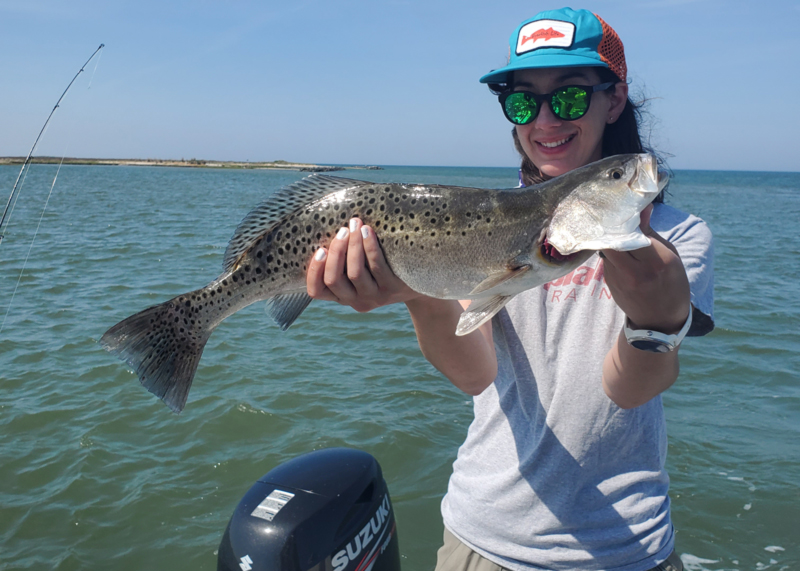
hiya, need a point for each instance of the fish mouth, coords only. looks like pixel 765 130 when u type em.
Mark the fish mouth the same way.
pixel 646 179
pixel 551 255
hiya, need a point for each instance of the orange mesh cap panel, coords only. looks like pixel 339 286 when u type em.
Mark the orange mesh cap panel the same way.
pixel 612 52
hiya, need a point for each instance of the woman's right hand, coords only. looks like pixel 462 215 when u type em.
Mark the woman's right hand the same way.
pixel 353 271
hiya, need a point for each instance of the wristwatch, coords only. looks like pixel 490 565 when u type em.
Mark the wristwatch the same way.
pixel 655 341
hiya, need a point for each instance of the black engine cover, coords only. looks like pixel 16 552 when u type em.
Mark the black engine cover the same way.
pixel 328 510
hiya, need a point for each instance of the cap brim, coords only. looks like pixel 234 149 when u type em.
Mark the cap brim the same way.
pixel 540 61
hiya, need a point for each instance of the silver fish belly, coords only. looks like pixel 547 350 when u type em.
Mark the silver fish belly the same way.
pixel 445 242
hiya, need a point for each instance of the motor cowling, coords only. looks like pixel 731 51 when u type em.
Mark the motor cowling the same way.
pixel 328 510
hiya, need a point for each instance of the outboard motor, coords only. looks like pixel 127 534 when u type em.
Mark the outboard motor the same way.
pixel 328 510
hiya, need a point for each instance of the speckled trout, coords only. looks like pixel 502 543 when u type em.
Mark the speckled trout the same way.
pixel 443 241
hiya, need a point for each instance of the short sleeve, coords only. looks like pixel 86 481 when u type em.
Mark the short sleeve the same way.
pixel 692 238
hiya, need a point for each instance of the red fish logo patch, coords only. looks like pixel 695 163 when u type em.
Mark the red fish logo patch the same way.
pixel 545 35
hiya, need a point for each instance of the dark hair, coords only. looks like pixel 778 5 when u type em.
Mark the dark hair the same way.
pixel 620 137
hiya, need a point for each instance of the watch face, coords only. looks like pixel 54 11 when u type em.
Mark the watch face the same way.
pixel 652 345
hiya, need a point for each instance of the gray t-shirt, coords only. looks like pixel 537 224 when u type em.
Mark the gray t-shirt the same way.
pixel 553 474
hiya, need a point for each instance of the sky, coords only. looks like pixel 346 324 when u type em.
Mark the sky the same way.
pixel 377 82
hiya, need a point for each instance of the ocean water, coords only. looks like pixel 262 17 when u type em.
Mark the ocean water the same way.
pixel 96 473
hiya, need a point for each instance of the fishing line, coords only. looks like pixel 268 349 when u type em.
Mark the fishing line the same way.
pixel 36 142
pixel 96 63
pixel 30 248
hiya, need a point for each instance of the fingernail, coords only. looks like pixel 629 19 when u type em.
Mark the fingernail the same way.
pixel 343 232
pixel 353 225
pixel 320 254
pixel 365 231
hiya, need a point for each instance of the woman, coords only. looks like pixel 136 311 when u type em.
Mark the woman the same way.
pixel 563 465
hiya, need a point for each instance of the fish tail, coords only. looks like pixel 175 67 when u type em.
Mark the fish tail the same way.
pixel 163 344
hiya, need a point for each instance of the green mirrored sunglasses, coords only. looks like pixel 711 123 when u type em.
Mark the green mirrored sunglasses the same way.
pixel 568 103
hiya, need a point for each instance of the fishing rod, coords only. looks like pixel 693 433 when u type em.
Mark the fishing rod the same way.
pixel 36 142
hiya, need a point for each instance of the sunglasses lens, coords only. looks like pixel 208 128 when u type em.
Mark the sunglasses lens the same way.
pixel 570 103
pixel 520 108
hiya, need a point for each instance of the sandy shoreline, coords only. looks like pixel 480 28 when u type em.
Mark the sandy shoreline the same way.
pixel 191 163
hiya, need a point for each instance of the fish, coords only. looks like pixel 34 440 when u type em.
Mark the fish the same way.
pixel 446 242
pixel 545 35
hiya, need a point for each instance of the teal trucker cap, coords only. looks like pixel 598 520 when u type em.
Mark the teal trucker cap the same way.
pixel 563 38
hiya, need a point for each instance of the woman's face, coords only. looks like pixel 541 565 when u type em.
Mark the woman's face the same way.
pixel 556 146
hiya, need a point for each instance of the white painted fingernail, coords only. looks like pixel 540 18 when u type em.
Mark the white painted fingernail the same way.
pixel 343 232
pixel 352 225
pixel 320 255
pixel 365 231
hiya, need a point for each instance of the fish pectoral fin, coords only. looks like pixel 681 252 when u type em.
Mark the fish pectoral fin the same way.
pixel 496 279
pixel 284 309
pixel 479 312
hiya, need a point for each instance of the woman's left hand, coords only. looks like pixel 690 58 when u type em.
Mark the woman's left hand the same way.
pixel 649 284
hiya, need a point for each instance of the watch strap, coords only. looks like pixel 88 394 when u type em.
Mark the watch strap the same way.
pixel 655 341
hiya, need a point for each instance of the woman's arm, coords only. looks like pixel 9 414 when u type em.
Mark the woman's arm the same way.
pixel 354 272
pixel 651 287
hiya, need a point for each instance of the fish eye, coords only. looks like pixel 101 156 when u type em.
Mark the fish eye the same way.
pixel 616 174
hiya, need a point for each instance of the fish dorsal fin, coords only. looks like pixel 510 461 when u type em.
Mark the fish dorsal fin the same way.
pixel 285 200
pixel 495 280
pixel 479 312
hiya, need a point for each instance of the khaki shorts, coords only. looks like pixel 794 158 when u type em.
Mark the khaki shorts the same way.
pixel 453 555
